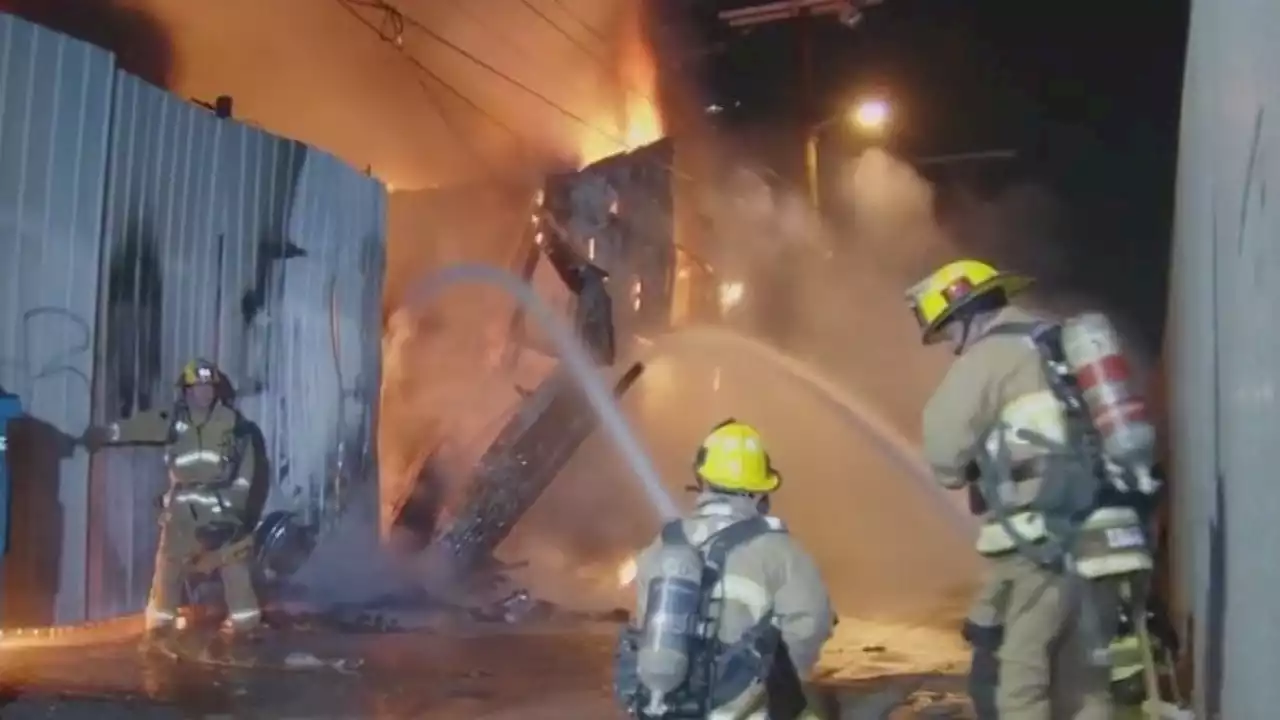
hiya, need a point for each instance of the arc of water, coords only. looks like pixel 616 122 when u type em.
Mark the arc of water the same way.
pixel 575 357
pixel 886 440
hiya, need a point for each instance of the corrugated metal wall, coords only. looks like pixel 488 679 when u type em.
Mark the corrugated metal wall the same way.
pixel 158 292
pixel 217 240
pixel 1226 355
pixel 55 99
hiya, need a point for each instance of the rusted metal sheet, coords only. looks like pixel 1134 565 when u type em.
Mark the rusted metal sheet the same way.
pixel 55 99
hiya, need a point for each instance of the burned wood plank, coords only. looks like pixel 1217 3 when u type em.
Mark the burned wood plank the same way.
pixel 526 457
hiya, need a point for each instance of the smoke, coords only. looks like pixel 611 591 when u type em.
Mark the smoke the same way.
pixel 832 300
pixel 141 44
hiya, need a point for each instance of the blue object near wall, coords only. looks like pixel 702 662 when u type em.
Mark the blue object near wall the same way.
pixel 10 409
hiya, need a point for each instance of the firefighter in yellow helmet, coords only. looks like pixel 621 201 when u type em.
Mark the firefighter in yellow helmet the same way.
pixel 1034 630
pixel 733 612
pixel 211 456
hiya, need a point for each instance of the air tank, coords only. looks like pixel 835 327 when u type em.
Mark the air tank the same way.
pixel 670 631
pixel 1093 352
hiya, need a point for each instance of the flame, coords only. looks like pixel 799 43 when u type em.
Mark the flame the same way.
pixel 731 294
pixel 636 121
pixel 627 572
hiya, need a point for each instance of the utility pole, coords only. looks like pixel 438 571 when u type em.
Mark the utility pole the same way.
pixel 805 12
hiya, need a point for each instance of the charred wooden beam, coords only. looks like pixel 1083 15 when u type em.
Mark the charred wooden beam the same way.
pixel 526 457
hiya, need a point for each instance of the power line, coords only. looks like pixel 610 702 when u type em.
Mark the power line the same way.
pixel 386 7
pixel 398 24
pixel 465 7
pixel 396 20
pixel 588 26
pixel 623 85
pixel 565 33
pixel 420 27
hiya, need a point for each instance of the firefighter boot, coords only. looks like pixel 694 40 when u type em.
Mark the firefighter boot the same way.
pixel 238 646
pixel 160 642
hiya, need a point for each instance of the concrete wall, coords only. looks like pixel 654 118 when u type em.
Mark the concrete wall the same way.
pixel 1225 354
pixel 149 232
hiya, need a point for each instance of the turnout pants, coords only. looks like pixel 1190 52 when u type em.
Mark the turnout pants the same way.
pixel 180 543
pixel 1043 668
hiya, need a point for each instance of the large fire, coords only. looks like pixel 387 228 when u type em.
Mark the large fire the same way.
pixel 636 121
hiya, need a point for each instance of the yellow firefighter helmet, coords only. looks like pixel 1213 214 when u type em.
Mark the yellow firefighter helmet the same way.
pixel 935 299
pixel 732 458
pixel 199 372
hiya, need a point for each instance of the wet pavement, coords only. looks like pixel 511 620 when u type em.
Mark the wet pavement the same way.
pixel 484 672
pixel 400 675
pixel 895 554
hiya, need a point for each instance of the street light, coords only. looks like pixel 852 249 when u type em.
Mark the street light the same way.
pixel 869 117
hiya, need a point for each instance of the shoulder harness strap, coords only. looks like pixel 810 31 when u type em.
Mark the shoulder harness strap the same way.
pixel 1045 335
pixel 721 543
pixel 673 533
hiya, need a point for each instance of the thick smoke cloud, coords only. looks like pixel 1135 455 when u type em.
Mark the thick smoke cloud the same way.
pixel 141 43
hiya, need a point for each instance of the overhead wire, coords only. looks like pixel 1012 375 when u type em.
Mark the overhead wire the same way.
pixel 402 19
pixel 396 21
pixel 410 21
pixel 497 72
pixel 586 25
pixel 467 9
pixel 564 33
pixel 623 85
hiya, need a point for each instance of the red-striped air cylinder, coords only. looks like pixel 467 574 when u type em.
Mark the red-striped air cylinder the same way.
pixel 1095 356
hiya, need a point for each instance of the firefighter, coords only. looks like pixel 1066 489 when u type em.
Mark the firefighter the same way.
pixel 211 454
pixel 1038 634
pixel 734 611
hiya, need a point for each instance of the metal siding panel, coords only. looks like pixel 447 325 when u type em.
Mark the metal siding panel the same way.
pixel 255 184
pixel 158 299
pixel 1226 286
pixel 125 207
pixel 329 374
pixel 54 113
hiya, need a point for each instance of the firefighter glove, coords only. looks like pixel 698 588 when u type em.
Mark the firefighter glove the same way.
pixel 95 437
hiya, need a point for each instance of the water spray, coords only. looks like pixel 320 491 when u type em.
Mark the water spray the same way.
pixel 893 446
pixel 581 367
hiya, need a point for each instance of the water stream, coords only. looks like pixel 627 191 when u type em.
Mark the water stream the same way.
pixel 576 358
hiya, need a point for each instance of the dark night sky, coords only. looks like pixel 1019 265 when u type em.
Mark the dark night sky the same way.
pixel 1087 91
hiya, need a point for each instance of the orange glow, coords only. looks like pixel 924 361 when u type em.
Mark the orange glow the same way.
pixel 627 572
pixel 638 120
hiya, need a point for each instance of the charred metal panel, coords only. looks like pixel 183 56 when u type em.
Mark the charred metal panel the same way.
pixel 645 262
pixel 320 397
pixel 158 294
pixel 55 108
pixel 617 214
pixel 228 243
pixel 608 233
pixel 1225 354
